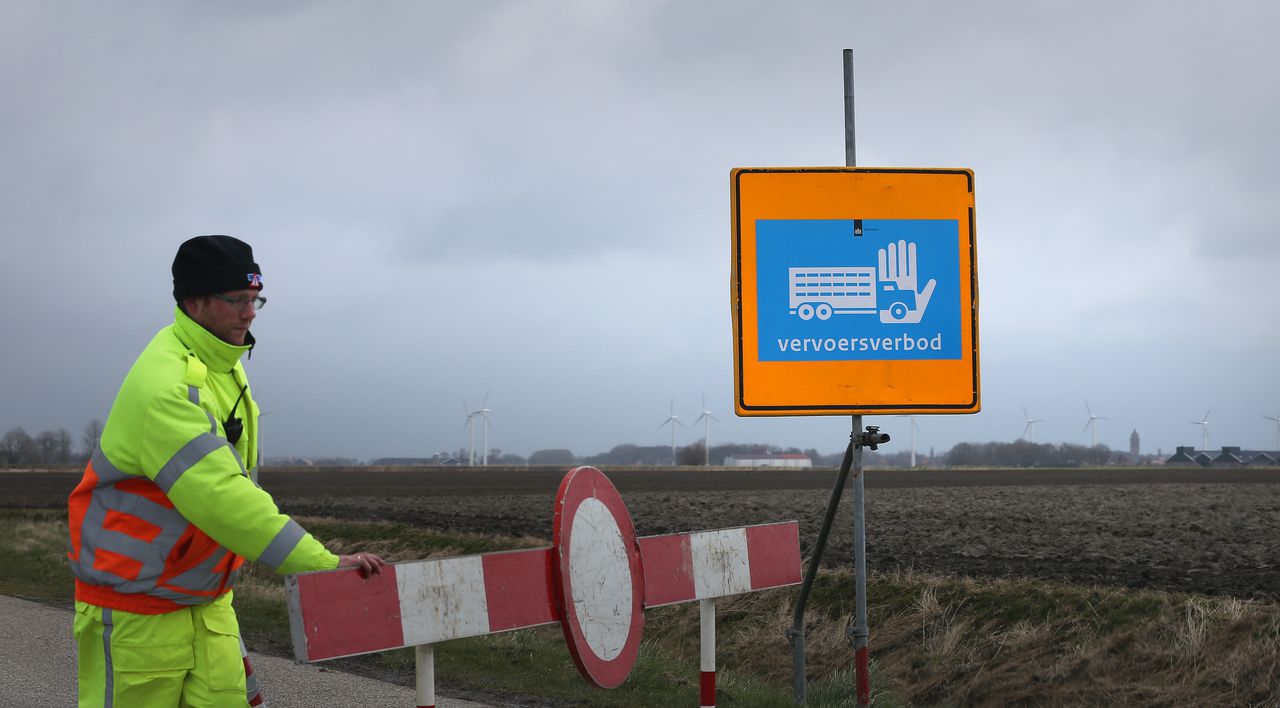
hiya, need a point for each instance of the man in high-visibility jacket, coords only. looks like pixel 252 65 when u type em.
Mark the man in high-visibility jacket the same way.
pixel 169 509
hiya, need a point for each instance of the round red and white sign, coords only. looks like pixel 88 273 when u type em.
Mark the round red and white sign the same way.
pixel 598 577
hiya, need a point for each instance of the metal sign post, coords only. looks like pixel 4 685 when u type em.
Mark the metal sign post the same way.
pixel 854 292
pixel 859 632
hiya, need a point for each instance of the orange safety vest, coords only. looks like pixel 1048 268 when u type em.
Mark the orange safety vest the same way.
pixel 131 550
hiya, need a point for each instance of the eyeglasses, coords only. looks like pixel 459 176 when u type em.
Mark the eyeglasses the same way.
pixel 238 302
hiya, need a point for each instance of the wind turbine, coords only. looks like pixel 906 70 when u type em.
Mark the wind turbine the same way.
pixel 1204 428
pixel 673 420
pixel 262 458
pixel 1275 418
pixel 708 417
pixel 1026 432
pixel 482 412
pixel 1091 425
pixel 914 429
pixel 471 434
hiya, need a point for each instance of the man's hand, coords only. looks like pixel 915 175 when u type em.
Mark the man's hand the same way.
pixel 367 563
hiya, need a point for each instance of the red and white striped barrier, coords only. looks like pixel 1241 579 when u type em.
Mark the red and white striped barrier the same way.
pixel 595 581
pixel 338 613
pixel 704 565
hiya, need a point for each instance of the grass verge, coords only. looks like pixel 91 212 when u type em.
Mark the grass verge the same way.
pixel 935 640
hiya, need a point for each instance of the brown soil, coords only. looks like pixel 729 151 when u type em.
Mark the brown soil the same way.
pixel 1210 531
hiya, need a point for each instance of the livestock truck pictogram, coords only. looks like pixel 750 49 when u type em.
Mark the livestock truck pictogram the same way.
pixel 888 289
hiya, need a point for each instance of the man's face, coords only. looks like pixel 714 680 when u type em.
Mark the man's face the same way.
pixel 226 321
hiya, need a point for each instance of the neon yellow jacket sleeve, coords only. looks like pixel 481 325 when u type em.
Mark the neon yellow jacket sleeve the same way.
pixel 202 474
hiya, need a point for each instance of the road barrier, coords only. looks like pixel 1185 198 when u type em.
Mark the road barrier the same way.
pixel 595 581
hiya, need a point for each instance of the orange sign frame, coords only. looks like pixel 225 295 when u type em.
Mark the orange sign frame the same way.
pixel 890 386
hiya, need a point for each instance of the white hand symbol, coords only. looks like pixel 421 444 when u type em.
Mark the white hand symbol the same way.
pixel 898 266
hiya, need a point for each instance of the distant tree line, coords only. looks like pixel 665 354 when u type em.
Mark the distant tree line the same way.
pixel 688 456
pixel 457 457
pixel 290 461
pixel 1021 453
pixel 18 448
pixel 992 454
pixel 628 454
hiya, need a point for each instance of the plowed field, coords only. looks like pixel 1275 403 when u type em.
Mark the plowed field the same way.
pixel 1211 531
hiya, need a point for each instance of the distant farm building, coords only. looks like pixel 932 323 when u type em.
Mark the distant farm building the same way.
pixel 1228 456
pixel 783 460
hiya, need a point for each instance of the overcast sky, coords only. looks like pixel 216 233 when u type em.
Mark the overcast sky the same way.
pixel 530 200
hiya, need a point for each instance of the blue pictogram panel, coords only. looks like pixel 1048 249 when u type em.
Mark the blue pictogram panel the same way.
pixel 858 290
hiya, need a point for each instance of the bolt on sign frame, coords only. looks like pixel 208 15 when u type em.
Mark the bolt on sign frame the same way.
pixel 854 358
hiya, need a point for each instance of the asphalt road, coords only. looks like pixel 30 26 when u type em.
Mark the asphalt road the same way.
pixel 39 667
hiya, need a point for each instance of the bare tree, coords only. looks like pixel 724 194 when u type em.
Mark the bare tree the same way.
pixel 556 456
pixel 692 455
pixel 46 447
pixel 89 438
pixel 17 448
pixel 61 446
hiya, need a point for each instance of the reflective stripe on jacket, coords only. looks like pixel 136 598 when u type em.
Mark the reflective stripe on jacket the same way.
pixel 167 511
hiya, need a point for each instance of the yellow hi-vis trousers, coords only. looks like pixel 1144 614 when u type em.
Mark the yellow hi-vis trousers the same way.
pixel 189 658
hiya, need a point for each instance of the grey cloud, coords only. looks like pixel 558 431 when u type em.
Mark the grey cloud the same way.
pixel 432 187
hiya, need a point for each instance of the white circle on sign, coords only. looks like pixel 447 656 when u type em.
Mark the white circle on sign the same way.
pixel 596 607
pixel 600 575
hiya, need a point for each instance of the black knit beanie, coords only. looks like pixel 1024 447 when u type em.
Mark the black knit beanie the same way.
pixel 214 264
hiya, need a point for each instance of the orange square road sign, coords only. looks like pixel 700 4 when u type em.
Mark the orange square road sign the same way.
pixel 854 291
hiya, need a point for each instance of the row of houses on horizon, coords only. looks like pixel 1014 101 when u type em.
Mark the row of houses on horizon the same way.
pixel 1228 456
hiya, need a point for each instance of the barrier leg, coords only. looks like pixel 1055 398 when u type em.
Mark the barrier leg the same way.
pixel 707 617
pixel 425 661
pixel 859 632
pixel 252 693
